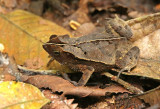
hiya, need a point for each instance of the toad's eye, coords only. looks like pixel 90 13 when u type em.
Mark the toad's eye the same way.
pixel 56 52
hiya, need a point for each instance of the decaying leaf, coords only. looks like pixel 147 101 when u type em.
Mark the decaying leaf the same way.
pixel 57 102
pixel 152 96
pixel 122 103
pixel 57 84
pixel 23 34
pixel 104 103
pixel 20 95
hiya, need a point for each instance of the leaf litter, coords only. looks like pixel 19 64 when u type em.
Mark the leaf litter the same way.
pixel 145 68
pixel 58 84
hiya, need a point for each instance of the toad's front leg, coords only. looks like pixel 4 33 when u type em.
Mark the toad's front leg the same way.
pixel 87 72
pixel 129 60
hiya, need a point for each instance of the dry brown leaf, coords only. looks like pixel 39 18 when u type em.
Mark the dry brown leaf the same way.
pixel 152 96
pixel 60 85
pixel 123 103
pixel 57 102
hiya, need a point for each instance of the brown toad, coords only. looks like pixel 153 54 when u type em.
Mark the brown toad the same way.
pixel 96 52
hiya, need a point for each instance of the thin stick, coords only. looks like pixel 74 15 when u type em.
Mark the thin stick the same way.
pixel 32 71
pixel 128 86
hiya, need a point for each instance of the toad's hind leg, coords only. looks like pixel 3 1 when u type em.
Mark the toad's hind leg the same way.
pixel 129 60
pixel 87 72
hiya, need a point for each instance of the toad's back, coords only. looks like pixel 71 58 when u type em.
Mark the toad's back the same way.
pixel 103 51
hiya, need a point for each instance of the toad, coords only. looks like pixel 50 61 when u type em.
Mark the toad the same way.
pixel 96 52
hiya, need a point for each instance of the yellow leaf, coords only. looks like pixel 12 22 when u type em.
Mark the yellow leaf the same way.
pixel 23 34
pixel 18 95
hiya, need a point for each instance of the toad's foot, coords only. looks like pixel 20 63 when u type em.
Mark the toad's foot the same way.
pixel 65 76
pixel 129 60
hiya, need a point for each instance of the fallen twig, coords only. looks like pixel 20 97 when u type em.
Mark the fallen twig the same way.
pixel 128 86
pixel 33 71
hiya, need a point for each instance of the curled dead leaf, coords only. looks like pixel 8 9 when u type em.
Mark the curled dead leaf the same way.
pixel 57 84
